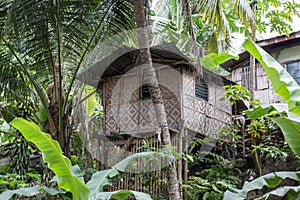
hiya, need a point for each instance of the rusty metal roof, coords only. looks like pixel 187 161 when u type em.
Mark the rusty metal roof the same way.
pixel 270 45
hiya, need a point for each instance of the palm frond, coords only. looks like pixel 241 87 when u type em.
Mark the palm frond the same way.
pixel 244 11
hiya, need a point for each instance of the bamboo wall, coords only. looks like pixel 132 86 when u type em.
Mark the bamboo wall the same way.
pixel 134 119
pixel 126 112
pixel 263 89
pixel 143 175
pixel 204 117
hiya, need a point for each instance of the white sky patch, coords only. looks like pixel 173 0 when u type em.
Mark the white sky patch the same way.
pixel 295 26
pixel 154 2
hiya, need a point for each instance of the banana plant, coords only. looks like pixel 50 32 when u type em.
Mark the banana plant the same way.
pixel 271 180
pixel 69 178
pixel 286 116
pixel 283 84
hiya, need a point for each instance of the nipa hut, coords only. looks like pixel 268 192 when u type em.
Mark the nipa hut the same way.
pixel 192 103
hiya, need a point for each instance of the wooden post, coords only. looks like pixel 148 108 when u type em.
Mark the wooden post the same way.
pixel 179 164
pixel 98 150
pixel 185 167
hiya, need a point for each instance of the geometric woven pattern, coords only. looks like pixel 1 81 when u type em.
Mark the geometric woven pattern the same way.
pixel 205 117
pixel 125 112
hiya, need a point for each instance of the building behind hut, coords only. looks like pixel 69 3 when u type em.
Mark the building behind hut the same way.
pixel 285 49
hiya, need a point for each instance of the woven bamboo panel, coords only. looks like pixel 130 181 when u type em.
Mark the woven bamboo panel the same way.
pixel 198 115
pixel 188 83
pixel 201 116
pixel 126 113
pixel 219 89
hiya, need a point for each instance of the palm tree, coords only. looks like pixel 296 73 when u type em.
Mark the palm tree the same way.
pixel 43 45
pixel 151 79
pixel 213 20
pixel 223 16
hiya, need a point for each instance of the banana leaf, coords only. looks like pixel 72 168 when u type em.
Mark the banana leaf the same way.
pixel 291 192
pixel 213 60
pixel 52 154
pixel 123 194
pixel 30 191
pixel 288 122
pixel 271 180
pixel 89 97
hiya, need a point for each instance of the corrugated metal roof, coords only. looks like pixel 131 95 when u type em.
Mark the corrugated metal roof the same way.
pixel 124 59
pixel 271 44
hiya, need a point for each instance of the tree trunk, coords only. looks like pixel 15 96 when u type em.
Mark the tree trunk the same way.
pixel 252 59
pixel 150 78
pixel 252 85
pixel 56 97
pixel 199 51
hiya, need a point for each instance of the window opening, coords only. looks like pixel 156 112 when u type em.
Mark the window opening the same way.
pixel 201 90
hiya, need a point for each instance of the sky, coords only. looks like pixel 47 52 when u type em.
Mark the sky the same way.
pixel 295 26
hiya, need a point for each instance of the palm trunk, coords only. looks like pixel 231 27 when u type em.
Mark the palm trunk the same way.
pixel 252 82
pixel 199 50
pixel 150 78
pixel 252 59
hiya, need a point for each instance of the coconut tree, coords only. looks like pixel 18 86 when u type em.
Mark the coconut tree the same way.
pixel 151 79
pixel 213 21
pixel 43 45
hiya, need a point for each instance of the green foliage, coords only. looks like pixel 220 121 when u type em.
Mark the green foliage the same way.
pixel 214 60
pixel 271 152
pixel 288 122
pixel 165 29
pixel 123 194
pixel 203 189
pixel 235 93
pixel 215 174
pixel 70 178
pixel 89 97
pixel 271 180
pixel 257 128
pixel 221 15
pixel 218 175
pixel 291 132
pixel 230 136
pixel 29 191
pixel 13 181
pixel 61 36
pixel 276 16
pixel 52 154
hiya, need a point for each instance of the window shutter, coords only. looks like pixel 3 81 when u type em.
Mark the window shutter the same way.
pixel 146 91
pixel 201 90
pixel 294 70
